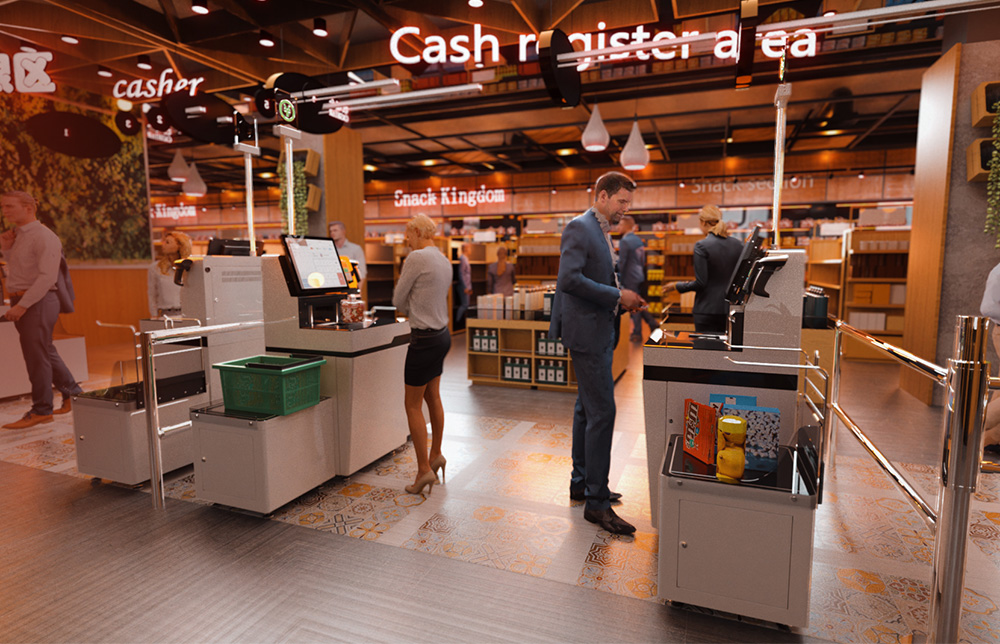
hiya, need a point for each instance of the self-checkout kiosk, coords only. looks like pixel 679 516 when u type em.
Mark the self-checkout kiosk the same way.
pixel 742 546
pixel 363 373
pixel 112 440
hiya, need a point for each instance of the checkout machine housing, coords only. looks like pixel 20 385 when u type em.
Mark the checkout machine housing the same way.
pixel 363 374
pixel 112 438
pixel 738 548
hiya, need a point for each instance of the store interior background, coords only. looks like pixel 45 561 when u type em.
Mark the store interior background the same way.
pixel 905 125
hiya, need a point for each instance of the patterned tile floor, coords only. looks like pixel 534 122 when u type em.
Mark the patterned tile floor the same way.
pixel 505 505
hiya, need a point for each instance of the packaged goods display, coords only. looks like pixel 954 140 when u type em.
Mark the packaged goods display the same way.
pixel 352 310
pixel 485 340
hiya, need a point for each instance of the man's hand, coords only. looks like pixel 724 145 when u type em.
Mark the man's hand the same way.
pixel 632 301
pixel 468 291
pixel 15 313
pixel 670 287
pixel 6 239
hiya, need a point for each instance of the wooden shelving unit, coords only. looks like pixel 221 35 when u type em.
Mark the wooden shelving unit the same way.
pixel 825 269
pixel 519 339
pixel 875 287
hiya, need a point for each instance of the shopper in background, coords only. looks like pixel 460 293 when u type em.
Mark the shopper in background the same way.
pixel 165 296
pixel 585 316
pixel 632 271
pixel 464 281
pixel 422 294
pixel 715 259
pixel 354 252
pixel 990 308
pixel 34 256
pixel 500 275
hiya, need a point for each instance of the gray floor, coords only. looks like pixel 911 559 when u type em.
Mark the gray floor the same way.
pixel 90 562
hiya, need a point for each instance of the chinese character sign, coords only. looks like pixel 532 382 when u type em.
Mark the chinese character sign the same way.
pixel 27 71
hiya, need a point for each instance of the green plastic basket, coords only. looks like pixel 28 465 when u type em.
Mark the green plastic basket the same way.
pixel 270 384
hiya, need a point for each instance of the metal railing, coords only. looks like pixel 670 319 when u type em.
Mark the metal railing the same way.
pixel 967 381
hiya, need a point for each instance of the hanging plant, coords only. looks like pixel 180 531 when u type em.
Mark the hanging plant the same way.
pixel 301 194
pixel 993 182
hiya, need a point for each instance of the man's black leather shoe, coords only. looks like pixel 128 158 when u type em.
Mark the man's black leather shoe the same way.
pixel 609 521
pixel 582 496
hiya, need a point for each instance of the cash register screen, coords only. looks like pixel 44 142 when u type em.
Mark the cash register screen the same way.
pixel 316 266
pixel 739 285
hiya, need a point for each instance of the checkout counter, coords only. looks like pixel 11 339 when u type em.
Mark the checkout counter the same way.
pixel 112 438
pixel 743 547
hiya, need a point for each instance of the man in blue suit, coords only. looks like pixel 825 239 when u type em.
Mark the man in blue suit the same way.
pixel 632 271
pixel 585 315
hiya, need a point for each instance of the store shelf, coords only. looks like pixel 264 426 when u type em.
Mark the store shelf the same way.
pixel 832 287
pixel 880 252
pixel 877 280
pixel 854 305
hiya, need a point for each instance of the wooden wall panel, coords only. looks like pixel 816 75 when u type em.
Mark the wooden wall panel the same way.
pixel 114 294
pixel 935 132
pixel 344 181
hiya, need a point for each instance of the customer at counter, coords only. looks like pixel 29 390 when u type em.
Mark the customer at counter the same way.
pixel 354 252
pixel 422 294
pixel 34 261
pixel 715 259
pixel 165 296
pixel 500 275
pixel 632 272
pixel 585 316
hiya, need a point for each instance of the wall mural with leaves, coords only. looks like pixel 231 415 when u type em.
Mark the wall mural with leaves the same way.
pixel 99 207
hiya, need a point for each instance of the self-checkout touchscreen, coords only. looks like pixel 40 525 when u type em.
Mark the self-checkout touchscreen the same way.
pixel 317 264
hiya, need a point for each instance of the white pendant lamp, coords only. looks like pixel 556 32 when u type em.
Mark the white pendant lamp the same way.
pixel 195 185
pixel 178 170
pixel 635 156
pixel 595 136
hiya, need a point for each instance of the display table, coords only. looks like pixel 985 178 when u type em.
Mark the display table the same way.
pixel 518 340
pixel 739 548
pixel 259 462
pixel 14 375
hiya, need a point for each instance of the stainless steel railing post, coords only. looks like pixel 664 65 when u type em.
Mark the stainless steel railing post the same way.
pixel 968 379
pixel 833 400
pixel 152 422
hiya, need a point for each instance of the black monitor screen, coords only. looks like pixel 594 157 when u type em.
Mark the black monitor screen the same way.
pixel 752 251
pixel 218 246
pixel 315 266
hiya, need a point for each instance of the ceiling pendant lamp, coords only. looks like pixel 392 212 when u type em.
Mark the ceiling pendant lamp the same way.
pixel 635 156
pixel 195 185
pixel 178 170
pixel 595 136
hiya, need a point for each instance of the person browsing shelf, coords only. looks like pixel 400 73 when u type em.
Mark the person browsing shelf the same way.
pixel 500 275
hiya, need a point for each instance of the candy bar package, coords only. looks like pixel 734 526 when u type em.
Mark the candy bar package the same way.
pixel 699 431
pixel 763 424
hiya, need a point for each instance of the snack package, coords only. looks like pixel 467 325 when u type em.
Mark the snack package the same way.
pixel 699 431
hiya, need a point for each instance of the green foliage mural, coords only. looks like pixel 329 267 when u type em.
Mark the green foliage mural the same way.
pixel 98 207
pixel 301 194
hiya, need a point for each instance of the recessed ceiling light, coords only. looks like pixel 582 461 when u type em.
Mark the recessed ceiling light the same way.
pixel 369 168
pixel 103 71
pixel 565 152
pixel 681 183
pixel 124 104
pixel 319 27
pixel 143 62
pixel 428 162
pixel 831 132
pixel 266 39
pixel 861 175
pixel 266 175
pixel 28 47
pixel 199 6
pixel 69 40
pixel 475 4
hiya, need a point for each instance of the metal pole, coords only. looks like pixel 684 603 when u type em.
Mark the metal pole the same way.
pixel 248 170
pixel 968 377
pixel 152 422
pixel 290 185
pixel 781 102
pixel 830 448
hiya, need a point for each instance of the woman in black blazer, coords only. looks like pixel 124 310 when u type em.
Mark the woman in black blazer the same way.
pixel 715 259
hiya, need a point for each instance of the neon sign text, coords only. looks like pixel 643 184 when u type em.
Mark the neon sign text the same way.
pixel 155 87
pixel 449 196
pixel 27 72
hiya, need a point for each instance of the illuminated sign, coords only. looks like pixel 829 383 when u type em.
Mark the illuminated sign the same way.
pixel 286 110
pixel 155 87
pixel 156 135
pixel 161 211
pixel 461 48
pixel 340 112
pixel 762 185
pixel 449 196
pixel 27 71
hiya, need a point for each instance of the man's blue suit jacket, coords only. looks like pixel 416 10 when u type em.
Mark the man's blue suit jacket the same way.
pixel 583 311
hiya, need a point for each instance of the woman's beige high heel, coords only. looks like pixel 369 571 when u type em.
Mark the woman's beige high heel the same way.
pixel 439 463
pixel 430 478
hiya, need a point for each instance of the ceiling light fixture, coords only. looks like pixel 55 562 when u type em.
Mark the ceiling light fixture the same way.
pixel 319 27
pixel 553 191
pixel 595 136
pixel 266 39
pixel 178 170
pixel 266 175
pixel 69 40
pixel 861 175
pixel 428 162
pixel 199 6
pixel 195 185
pixel 369 168
pixel 475 4
pixel 681 184
pixel 143 62
pixel 634 156
pixel 565 152
pixel 28 47
pixel 103 71
pixel 357 79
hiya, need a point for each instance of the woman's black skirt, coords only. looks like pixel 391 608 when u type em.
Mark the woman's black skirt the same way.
pixel 425 356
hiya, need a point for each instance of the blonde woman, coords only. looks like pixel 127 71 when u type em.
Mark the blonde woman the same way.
pixel 422 295
pixel 164 295
pixel 715 258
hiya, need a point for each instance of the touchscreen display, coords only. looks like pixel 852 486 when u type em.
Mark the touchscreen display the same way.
pixel 316 263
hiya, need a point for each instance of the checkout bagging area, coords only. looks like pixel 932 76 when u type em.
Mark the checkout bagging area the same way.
pixel 270 382
pixel 734 426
